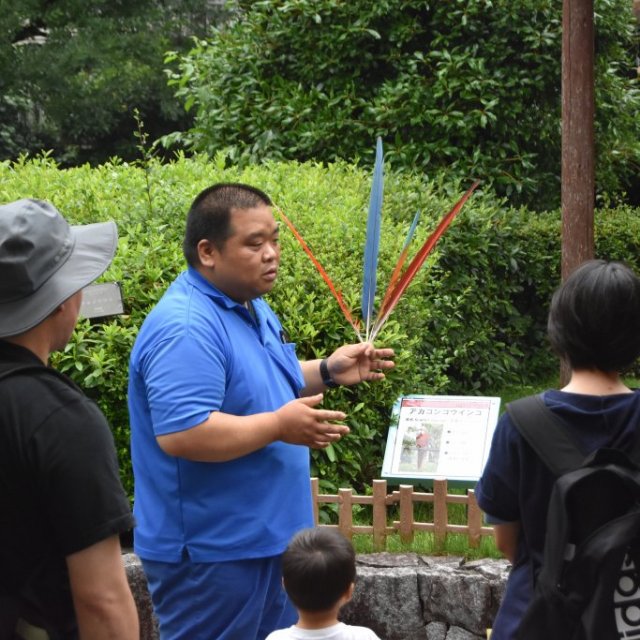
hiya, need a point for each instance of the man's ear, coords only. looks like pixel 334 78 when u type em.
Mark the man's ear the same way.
pixel 207 253
pixel 59 309
pixel 348 594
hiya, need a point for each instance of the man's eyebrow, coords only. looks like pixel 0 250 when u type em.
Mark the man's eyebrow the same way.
pixel 261 234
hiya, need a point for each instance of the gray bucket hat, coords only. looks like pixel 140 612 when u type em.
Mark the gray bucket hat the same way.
pixel 44 261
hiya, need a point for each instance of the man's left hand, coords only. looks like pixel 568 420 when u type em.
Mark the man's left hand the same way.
pixel 354 363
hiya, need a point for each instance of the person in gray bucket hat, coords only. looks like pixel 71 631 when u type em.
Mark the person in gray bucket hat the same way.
pixel 62 506
pixel 44 261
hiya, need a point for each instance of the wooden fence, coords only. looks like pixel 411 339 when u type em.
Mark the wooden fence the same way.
pixel 406 527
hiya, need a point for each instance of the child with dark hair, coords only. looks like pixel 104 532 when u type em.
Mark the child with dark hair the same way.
pixel 319 572
pixel 594 326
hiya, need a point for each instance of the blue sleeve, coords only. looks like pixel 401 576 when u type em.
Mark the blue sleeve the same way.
pixel 497 489
pixel 185 381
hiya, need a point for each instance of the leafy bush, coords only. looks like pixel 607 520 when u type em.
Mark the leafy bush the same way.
pixel 473 319
pixel 467 86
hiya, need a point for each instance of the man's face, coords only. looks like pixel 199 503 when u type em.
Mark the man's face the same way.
pixel 246 266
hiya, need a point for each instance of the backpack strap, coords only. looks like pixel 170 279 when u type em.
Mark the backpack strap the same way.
pixel 634 454
pixel 546 434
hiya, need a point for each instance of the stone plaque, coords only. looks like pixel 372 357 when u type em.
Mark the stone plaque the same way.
pixel 102 300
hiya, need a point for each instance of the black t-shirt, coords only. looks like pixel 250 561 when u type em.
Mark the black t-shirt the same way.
pixel 59 486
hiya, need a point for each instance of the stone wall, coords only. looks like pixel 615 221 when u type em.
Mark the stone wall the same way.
pixel 399 596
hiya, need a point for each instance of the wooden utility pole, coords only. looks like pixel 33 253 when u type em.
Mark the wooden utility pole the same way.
pixel 578 151
pixel 578 148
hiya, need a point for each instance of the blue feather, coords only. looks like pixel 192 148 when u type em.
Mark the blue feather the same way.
pixel 401 260
pixel 412 230
pixel 373 239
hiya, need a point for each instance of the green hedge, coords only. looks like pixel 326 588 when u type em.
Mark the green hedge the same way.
pixel 472 321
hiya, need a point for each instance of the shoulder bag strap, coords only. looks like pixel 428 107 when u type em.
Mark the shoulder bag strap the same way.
pixel 546 434
pixel 634 453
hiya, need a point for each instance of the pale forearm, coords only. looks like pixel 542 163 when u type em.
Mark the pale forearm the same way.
pixel 312 381
pixel 222 437
pixel 113 618
pixel 102 599
pixel 506 536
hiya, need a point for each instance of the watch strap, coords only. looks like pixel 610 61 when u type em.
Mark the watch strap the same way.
pixel 327 380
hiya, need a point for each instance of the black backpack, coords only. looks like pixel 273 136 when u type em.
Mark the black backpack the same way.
pixel 588 587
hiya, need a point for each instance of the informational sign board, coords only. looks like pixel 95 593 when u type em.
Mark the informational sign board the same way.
pixel 101 300
pixel 439 437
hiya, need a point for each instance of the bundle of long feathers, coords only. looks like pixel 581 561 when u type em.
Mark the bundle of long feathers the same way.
pixel 373 320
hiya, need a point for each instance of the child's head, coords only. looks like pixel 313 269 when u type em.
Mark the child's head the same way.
pixel 318 568
pixel 595 316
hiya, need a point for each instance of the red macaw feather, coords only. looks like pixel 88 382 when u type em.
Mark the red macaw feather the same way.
pixel 418 261
pixel 394 278
pixel 401 260
pixel 336 292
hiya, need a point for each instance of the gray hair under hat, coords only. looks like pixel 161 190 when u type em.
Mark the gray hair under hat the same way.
pixel 44 261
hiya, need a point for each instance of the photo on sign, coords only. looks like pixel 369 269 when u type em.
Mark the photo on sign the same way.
pixel 421 448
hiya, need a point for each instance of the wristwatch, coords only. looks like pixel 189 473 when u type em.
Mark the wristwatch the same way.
pixel 327 380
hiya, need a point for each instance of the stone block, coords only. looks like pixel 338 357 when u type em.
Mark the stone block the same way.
pixel 386 600
pixel 140 590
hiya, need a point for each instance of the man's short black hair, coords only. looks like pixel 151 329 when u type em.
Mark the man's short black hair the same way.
pixel 210 214
pixel 318 567
pixel 594 318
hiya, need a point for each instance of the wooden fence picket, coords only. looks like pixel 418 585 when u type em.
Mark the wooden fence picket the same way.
pixel 405 497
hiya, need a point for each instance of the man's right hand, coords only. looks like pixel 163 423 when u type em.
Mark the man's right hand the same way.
pixel 301 423
pixel 225 437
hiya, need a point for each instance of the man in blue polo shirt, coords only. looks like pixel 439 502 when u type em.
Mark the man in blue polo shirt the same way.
pixel 222 415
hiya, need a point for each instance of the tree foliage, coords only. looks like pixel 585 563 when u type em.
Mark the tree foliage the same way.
pixel 470 87
pixel 73 72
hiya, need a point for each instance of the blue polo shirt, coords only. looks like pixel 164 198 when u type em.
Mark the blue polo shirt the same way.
pixel 516 485
pixel 198 351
